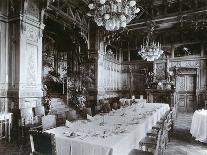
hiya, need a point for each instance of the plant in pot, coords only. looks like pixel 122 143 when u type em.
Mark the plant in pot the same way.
pixel 77 97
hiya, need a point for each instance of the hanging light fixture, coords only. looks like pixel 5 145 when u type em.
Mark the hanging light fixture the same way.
pixel 150 50
pixel 113 14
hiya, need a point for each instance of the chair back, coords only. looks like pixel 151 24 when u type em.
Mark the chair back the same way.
pixel 139 152
pixel 26 112
pixel 4 124
pixel 42 142
pixel 159 142
pixel 27 116
pixel 40 111
pixel 48 122
pixel 205 105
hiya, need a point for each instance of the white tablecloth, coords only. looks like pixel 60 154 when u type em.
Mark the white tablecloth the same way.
pixel 199 125
pixel 139 101
pixel 121 131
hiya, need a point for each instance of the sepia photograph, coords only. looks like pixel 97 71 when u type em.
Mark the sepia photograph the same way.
pixel 103 77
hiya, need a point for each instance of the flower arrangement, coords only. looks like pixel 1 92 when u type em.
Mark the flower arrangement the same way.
pixel 77 94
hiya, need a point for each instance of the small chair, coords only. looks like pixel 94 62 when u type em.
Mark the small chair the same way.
pixel 139 152
pixel 168 127
pixel 150 143
pixel 48 122
pixel 40 111
pixel 205 105
pixel 152 133
pixel 4 128
pixel 27 122
pixel 42 143
pixel 27 116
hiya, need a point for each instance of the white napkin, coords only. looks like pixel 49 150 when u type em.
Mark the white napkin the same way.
pixel 90 117
pixel 68 124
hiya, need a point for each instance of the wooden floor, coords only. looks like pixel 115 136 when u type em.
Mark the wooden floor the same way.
pixel 181 142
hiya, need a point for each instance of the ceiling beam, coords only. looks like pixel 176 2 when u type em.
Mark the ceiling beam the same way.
pixel 166 21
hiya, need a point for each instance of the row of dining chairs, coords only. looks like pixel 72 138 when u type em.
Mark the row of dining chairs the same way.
pixel 156 140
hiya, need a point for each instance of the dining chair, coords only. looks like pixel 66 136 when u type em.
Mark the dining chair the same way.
pixel 40 111
pixel 27 122
pixel 148 143
pixel 48 122
pixel 27 116
pixel 4 127
pixel 167 128
pixel 42 143
pixel 139 152
pixel 205 105
pixel 153 144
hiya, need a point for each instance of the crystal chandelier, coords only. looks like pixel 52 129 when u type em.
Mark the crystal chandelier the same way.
pixel 113 14
pixel 150 50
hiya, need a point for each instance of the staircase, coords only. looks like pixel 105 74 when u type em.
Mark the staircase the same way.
pixel 58 106
pixel 60 109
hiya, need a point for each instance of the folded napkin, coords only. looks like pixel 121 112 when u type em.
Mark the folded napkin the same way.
pixel 72 134
pixel 90 117
pixel 68 124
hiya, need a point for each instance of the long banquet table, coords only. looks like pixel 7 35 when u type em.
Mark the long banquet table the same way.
pixel 115 133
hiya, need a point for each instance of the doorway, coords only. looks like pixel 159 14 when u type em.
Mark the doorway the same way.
pixel 186 92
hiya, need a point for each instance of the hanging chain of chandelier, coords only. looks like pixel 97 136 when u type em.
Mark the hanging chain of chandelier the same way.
pixel 150 50
pixel 113 14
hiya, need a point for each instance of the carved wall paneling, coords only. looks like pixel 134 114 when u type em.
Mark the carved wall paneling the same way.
pixel 3 61
pixel 187 65
pixel 25 52
pixel 186 88
pixel 32 64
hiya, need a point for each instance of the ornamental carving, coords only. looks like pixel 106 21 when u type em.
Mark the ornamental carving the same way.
pixel 180 84
pixel 191 84
pixel 176 64
pixel 160 70
pixel 33 9
pixel 32 33
pixel 189 64
pixel 31 64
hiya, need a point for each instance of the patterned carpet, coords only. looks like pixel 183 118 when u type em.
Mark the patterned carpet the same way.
pixel 182 142
pixel 13 148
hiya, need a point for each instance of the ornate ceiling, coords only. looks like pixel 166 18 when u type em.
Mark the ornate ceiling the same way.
pixel 174 20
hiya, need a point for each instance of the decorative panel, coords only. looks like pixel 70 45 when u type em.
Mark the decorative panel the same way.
pixel 32 33
pixel 180 83
pixel 32 58
pixel 33 9
pixel 181 102
pixel 191 102
pixel 190 83
pixel 160 71
pixel 186 63
pixel 190 64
